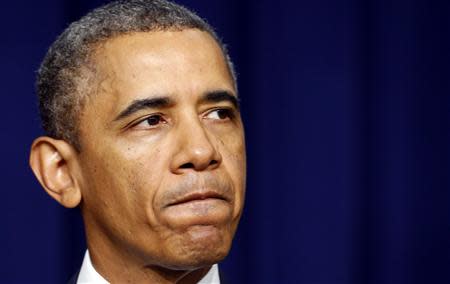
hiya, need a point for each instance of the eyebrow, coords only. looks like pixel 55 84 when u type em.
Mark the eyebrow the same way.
pixel 220 96
pixel 138 105
pixel 165 102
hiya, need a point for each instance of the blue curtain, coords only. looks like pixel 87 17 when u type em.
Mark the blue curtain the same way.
pixel 346 106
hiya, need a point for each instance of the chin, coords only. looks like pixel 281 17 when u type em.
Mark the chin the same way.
pixel 200 246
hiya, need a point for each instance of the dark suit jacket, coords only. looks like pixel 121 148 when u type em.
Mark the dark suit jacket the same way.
pixel 74 278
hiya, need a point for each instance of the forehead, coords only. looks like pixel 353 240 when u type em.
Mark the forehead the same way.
pixel 175 63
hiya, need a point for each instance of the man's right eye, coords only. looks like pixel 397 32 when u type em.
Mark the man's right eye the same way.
pixel 153 120
pixel 150 122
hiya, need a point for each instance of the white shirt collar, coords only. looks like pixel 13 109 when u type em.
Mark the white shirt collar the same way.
pixel 88 274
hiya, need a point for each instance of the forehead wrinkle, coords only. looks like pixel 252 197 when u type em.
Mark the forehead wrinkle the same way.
pixel 159 51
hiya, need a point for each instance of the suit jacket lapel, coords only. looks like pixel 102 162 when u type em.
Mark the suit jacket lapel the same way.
pixel 74 278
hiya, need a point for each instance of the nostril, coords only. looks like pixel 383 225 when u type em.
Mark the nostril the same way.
pixel 187 166
pixel 192 166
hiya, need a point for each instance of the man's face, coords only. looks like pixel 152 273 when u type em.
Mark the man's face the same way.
pixel 163 157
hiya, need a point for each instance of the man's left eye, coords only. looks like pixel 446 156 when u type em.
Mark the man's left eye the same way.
pixel 220 114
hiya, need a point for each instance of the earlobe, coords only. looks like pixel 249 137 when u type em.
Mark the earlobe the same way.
pixel 54 162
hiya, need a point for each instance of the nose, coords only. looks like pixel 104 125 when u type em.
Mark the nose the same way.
pixel 194 149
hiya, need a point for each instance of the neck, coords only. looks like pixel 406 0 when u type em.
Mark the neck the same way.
pixel 123 266
pixel 119 270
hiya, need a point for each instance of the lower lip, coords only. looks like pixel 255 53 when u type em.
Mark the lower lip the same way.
pixel 200 205
pixel 199 201
pixel 207 211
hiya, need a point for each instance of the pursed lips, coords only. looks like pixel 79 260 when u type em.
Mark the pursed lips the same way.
pixel 198 196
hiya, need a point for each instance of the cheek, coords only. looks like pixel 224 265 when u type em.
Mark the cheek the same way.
pixel 108 187
pixel 234 159
pixel 121 181
pixel 234 149
pixel 146 170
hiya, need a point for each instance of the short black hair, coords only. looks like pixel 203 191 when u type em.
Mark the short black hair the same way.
pixel 67 74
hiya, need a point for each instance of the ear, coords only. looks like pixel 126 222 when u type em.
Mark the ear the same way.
pixel 54 163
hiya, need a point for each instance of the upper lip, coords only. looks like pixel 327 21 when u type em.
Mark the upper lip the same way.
pixel 198 196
